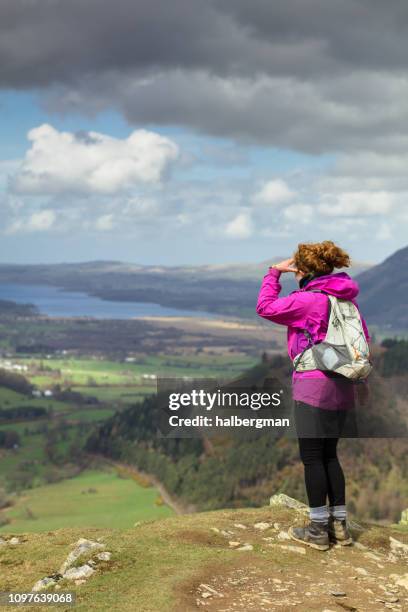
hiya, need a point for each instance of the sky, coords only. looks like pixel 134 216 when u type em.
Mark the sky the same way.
pixel 201 131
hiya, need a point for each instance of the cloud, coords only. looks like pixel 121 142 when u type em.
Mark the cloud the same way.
pixel 300 74
pixel 61 162
pixel 360 203
pixel 240 227
pixel 300 213
pixel 273 192
pixel 105 222
pixel 40 221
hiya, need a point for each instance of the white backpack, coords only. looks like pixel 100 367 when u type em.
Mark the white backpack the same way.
pixel 344 349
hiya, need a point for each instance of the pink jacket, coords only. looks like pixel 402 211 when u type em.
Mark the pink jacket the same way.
pixel 303 309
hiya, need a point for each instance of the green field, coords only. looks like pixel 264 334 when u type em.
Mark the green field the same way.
pixel 46 451
pixel 112 502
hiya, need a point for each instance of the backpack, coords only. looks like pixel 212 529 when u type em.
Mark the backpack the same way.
pixel 344 349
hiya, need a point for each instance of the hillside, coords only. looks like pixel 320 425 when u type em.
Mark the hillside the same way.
pixel 235 472
pixel 220 561
pixel 384 292
pixel 224 289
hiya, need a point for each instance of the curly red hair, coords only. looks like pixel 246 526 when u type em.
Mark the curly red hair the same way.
pixel 320 257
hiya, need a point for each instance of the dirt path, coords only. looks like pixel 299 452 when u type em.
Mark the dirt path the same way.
pixel 275 573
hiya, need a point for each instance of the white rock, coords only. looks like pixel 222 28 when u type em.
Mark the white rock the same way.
pixel 284 500
pixel 359 546
pixel 44 583
pixel 245 547
pixel 81 547
pixel 283 535
pixel 262 526
pixel 372 556
pixel 398 547
pixel 239 526
pixel 14 541
pixel 276 526
pixel 209 588
pixel 2 541
pixel 362 571
pixel 291 548
pixel 77 573
pixel 80 581
pixel 104 556
pixel 233 544
pixel 400 580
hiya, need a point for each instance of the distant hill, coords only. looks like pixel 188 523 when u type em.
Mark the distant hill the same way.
pixel 384 292
pixel 229 290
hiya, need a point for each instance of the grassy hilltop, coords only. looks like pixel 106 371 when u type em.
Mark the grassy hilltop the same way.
pixel 220 561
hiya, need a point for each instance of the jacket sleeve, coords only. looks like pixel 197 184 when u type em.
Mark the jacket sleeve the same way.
pixel 288 310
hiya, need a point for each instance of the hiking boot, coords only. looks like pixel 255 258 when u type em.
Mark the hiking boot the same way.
pixel 338 532
pixel 314 535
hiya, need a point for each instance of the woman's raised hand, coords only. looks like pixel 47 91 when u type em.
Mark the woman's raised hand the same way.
pixel 287 265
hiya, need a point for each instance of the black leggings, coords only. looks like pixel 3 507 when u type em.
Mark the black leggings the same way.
pixel 324 477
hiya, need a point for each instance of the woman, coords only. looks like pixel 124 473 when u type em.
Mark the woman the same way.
pixel 323 400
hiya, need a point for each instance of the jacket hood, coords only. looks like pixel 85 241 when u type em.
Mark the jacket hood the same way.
pixel 341 285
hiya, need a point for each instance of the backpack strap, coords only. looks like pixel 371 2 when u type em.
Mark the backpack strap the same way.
pixel 305 332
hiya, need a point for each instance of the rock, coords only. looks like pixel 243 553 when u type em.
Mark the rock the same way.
pixel 281 499
pixel 245 547
pixel 400 580
pixel 80 581
pixel 2 541
pixel 372 556
pixel 283 535
pixel 81 547
pixel 215 529
pixel 210 589
pixel 359 546
pixel 14 541
pixel 397 547
pixel 291 548
pixel 44 583
pixel 78 573
pixel 362 571
pixel 233 544
pixel 389 599
pixel 104 556
pixel 276 526
pixel 262 526
pixel 337 593
pixel 404 517
pixel 239 526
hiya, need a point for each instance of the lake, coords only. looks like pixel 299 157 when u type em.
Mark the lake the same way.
pixel 55 302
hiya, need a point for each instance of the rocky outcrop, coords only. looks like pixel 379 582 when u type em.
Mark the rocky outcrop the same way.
pixel 86 550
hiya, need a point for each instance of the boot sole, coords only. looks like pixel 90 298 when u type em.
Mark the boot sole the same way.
pixel 342 542
pixel 311 544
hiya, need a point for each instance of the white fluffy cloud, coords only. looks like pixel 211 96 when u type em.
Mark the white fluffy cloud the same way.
pixel 240 227
pixel 358 203
pixel 273 193
pixel 64 162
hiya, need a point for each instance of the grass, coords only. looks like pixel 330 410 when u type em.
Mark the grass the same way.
pixel 116 502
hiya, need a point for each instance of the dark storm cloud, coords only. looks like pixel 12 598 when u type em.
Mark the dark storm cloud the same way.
pixel 307 74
